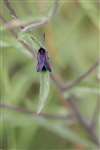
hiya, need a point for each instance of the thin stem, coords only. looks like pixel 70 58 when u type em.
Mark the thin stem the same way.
pixel 56 80
pixel 43 21
pixel 95 117
pixel 66 87
pixel 12 11
pixel 28 47
pixel 25 26
pixel 54 9
pixel 16 22
pixel 36 40
pixel 82 77
pixel 34 114
pixel 82 120
pixel 32 24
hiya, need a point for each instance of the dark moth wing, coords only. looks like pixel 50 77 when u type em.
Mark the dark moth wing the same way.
pixel 43 61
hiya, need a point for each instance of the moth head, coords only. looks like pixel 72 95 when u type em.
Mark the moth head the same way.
pixel 42 50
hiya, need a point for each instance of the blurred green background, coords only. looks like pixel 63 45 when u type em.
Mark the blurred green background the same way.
pixel 72 40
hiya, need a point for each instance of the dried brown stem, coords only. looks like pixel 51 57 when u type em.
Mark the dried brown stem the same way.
pixel 66 87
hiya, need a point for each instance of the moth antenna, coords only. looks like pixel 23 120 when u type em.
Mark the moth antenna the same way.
pixel 38 43
pixel 44 36
pixel 43 39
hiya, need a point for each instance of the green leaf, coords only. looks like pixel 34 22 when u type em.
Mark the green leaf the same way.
pixel 44 90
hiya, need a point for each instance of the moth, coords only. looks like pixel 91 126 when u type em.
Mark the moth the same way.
pixel 43 64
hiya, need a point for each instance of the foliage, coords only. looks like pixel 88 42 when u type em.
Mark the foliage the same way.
pixel 72 41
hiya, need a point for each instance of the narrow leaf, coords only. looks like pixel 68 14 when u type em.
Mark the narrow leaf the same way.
pixel 44 90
